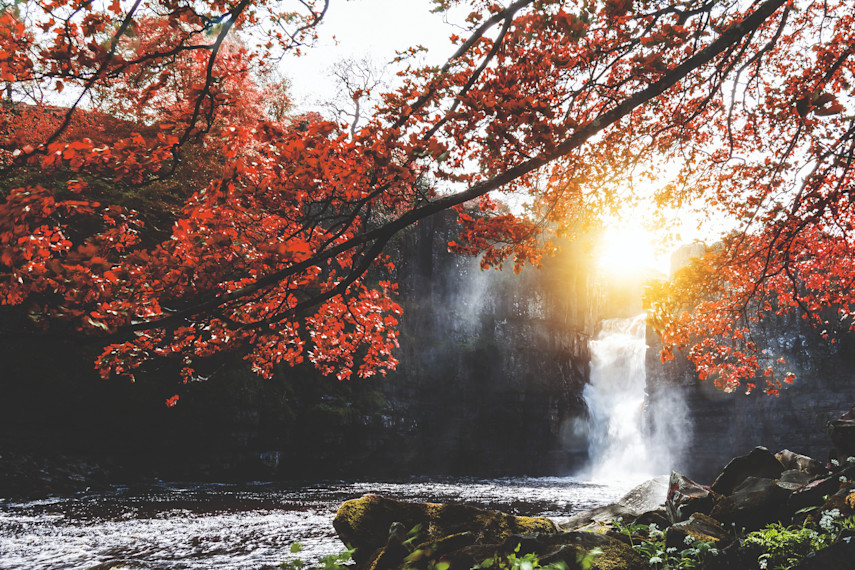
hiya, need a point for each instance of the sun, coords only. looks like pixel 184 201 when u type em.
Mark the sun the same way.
pixel 627 251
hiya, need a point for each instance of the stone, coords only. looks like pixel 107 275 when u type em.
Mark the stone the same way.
pixel 796 476
pixel 571 547
pixel 685 497
pixel 811 495
pixel 760 463
pixel 659 517
pixel 421 555
pixel 567 548
pixel 395 551
pixel 363 524
pixel 755 503
pixel 647 496
pixel 699 527
pixel 801 463
pixel 838 556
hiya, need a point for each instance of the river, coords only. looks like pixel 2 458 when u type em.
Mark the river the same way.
pixel 242 527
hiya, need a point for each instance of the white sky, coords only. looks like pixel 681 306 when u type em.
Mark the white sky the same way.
pixel 374 28
pixel 377 29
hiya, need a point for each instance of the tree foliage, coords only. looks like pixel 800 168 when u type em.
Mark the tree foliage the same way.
pixel 155 198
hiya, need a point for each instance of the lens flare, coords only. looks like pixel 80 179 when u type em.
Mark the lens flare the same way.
pixel 626 251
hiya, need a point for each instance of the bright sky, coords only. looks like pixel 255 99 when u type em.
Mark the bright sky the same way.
pixel 374 28
pixel 379 28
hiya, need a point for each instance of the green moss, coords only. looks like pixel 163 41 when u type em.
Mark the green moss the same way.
pixel 529 525
pixel 364 523
pixel 617 557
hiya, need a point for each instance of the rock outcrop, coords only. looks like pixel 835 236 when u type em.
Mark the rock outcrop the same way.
pixel 364 524
pixel 462 537
pixel 659 522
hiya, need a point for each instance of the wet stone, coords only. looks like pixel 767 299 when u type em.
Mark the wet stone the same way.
pixel 759 463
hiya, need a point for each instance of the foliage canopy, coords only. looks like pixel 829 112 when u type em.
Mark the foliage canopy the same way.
pixel 168 203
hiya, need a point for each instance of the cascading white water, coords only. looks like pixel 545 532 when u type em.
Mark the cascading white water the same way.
pixel 631 435
pixel 615 400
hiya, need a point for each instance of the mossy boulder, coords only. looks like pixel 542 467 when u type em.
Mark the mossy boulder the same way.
pixel 363 524
pixel 700 527
pixel 567 548
pixel 572 547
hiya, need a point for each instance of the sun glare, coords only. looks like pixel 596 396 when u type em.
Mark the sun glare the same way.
pixel 627 251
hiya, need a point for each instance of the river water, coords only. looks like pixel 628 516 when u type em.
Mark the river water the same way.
pixel 248 526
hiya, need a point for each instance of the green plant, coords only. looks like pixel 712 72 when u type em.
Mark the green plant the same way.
pixel 586 560
pixel 330 562
pixel 529 561
pixel 784 547
pixel 296 563
pixel 649 542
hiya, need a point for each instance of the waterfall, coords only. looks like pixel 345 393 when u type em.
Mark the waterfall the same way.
pixel 618 445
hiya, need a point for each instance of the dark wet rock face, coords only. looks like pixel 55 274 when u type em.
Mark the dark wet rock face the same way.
pixel 757 501
pixel 759 463
pixel 812 493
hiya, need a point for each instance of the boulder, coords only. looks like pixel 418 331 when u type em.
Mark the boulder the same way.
pixel 811 495
pixel 566 548
pixel 572 547
pixel 838 556
pixel 801 463
pixel 364 524
pixel 685 497
pixel 756 502
pixel 796 477
pixel 699 527
pixel 759 463
pixel 645 497
pixel 422 555
pixel 659 517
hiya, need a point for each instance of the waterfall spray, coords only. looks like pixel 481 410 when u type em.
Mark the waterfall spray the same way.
pixel 618 445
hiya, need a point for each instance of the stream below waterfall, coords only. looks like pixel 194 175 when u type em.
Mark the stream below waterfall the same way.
pixel 248 526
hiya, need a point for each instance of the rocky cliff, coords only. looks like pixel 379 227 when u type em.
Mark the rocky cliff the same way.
pixel 492 365
pixel 724 425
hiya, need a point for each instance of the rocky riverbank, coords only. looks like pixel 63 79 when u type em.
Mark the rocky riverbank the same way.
pixel 764 510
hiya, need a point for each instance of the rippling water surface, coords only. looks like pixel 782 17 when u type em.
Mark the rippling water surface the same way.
pixel 204 526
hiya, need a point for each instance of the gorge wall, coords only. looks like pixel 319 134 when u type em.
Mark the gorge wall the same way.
pixel 492 366
pixel 726 425
pixel 492 363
